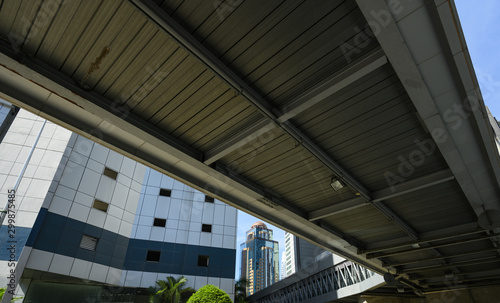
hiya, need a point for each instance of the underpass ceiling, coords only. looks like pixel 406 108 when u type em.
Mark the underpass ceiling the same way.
pixel 367 132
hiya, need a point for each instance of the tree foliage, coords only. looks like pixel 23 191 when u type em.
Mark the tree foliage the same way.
pixel 240 290
pixel 171 290
pixel 210 294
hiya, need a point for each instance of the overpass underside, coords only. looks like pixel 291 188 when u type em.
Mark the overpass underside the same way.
pixel 268 105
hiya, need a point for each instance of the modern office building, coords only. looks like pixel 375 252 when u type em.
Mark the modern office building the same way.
pixel 299 254
pixel 92 223
pixel 283 267
pixel 259 258
pixel 289 258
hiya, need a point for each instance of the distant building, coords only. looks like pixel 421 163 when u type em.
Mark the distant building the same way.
pixel 289 259
pixel 299 254
pixel 283 267
pixel 259 258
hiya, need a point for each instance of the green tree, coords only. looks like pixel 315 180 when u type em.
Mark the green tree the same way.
pixel 171 290
pixel 2 292
pixel 210 294
pixel 240 290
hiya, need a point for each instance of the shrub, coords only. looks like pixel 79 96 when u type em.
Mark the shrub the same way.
pixel 2 292
pixel 209 294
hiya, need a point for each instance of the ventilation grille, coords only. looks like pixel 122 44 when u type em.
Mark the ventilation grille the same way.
pixel 88 242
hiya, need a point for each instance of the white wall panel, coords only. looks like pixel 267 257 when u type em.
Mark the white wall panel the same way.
pixel 60 206
pixel 81 269
pixel 115 211
pixel 98 272
pixel 61 264
pixel 125 229
pixel 65 192
pixel 114 276
pixel 200 282
pixel 114 160
pixel 89 183
pixel 148 279
pixel 99 153
pixel 79 212
pixel 84 199
pixel 227 285
pixel 133 278
pixel 194 238
pixel 95 166
pixel 96 217
pixel 72 175
pixel 143 232
pixel 39 260
pixel 157 233
pixel 112 224
pixel 128 167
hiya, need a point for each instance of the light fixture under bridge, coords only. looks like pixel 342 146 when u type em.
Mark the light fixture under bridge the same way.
pixel 337 184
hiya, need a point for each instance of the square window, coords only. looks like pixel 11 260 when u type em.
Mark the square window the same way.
pixel 206 228
pixel 88 242
pixel 108 172
pixel 203 261
pixel 209 199
pixel 153 256
pixel 100 205
pixel 165 192
pixel 160 222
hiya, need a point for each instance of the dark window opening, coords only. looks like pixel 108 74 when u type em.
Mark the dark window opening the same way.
pixel 100 205
pixel 165 192
pixel 203 261
pixel 108 172
pixel 206 228
pixel 153 256
pixel 160 222
pixel 209 199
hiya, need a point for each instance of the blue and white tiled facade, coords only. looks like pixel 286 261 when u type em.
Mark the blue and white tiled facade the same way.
pixel 185 211
pixel 56 209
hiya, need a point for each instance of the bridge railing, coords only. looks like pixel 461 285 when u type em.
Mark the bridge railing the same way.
pixel 324 282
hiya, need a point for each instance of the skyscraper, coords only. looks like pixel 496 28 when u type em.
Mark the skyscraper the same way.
pixel 283 266
pixel 259 258
pixel 298 254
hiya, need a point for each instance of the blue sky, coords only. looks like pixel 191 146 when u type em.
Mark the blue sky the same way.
pixel 480 23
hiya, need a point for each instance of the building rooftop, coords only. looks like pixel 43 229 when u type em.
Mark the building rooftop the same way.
pixel 259 224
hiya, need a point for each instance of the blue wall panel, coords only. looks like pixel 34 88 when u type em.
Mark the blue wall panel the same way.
pixel 62 235
pixel 19 241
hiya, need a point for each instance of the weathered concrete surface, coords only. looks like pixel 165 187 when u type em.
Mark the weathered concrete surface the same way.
pixel 490 294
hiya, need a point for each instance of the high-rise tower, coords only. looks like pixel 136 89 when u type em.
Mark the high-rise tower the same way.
pixel 298 254
pixel 259 258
